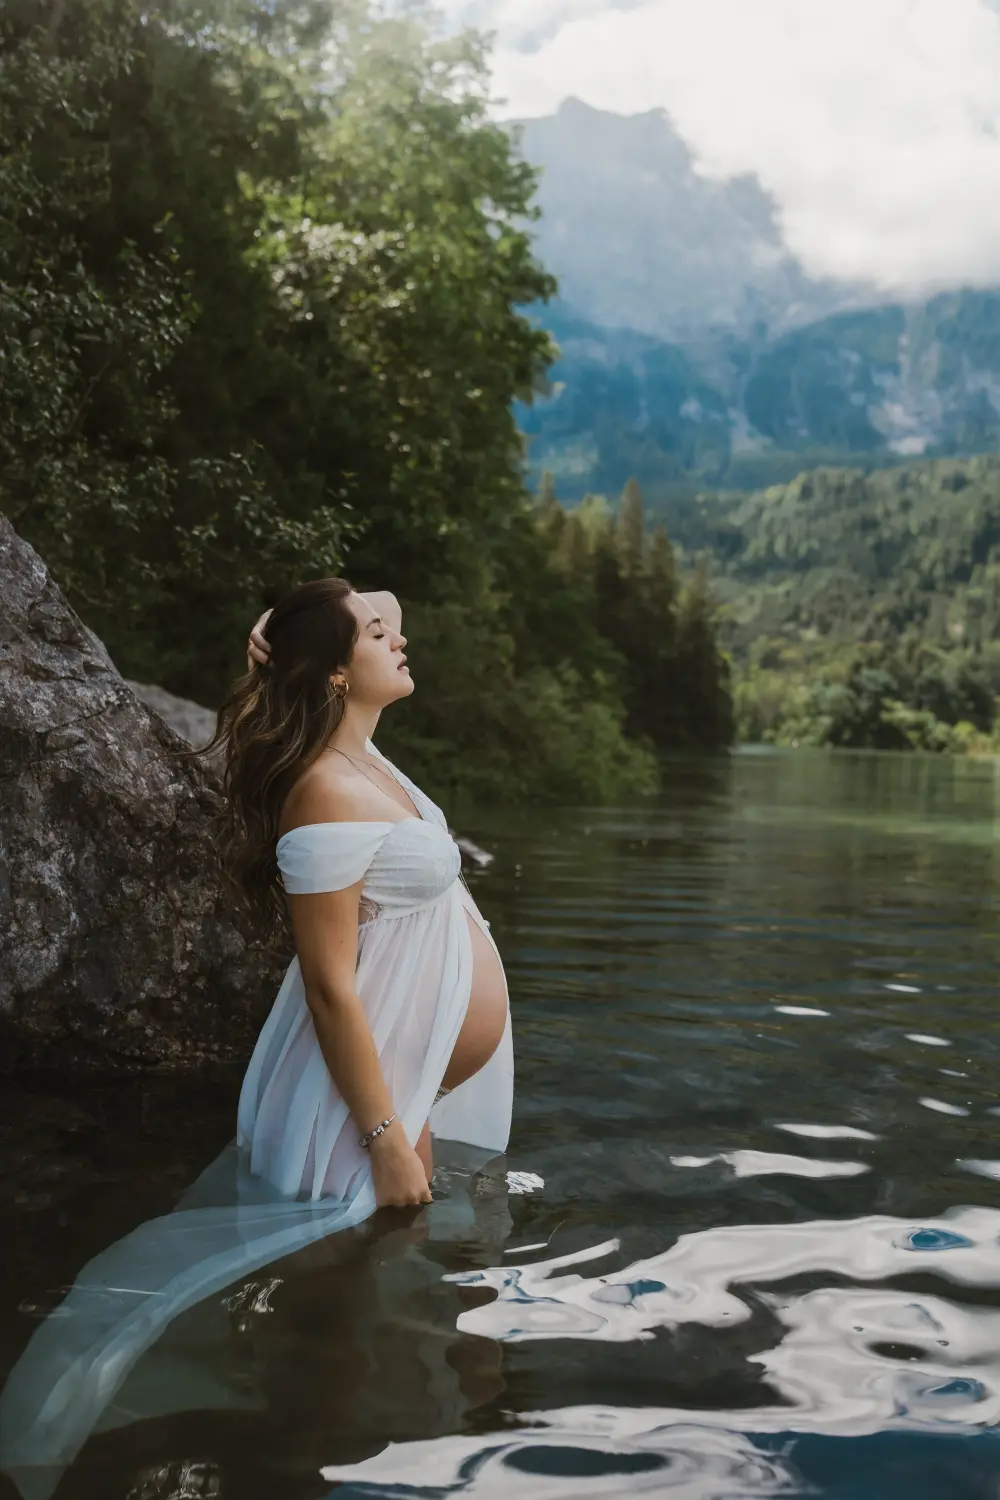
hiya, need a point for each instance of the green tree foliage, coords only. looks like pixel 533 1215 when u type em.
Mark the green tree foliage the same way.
pixel 630 531
pixel 261 267
pixel 343 243
pixel 675 678
pixel 864 609
pixel 546 492
pixel 701 673
pixel 121 144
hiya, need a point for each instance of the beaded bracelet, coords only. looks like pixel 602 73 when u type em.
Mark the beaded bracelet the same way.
pixel 366 1140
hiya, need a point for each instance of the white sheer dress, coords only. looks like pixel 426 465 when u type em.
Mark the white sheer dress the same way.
pixel 295 1172
pixel 414 976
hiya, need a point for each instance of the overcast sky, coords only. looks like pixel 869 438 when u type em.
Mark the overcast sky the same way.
pixel 875 123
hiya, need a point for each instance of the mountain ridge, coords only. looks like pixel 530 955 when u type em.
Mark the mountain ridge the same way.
pixel 679 252
pixel 706 354
pixel 867 388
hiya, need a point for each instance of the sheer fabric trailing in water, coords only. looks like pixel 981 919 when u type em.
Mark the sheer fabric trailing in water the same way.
pixel 295 1172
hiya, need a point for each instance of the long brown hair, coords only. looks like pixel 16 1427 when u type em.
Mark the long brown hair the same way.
pixel 275 722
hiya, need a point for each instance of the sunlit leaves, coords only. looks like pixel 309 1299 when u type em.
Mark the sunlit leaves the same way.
pixel 261 291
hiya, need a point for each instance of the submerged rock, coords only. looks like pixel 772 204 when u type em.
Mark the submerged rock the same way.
pixel 116 945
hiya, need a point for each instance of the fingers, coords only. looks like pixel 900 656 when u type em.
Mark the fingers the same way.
pixel 404 1195
pixel 258 649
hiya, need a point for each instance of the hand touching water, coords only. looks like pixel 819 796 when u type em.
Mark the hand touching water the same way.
pixel 397 1171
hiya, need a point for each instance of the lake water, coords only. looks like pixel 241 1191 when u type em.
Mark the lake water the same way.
pixel 745 1241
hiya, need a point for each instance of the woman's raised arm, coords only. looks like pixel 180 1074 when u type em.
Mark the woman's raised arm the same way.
pixel 382 601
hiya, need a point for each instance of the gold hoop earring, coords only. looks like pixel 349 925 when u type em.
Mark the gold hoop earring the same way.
pixel 340 689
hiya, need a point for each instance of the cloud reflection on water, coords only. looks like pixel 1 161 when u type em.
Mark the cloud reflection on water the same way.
pixel 829 1132
pixel 686 1462
pixel 848 1360
pixel 764 1163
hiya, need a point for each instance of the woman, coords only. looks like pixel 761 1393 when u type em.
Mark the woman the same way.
pixel 397 986
pixel 396 991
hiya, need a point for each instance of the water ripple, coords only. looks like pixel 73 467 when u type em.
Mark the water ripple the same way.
pixel 782 955
pixel 842 1359
pixel 684 1460
pixel 764 1163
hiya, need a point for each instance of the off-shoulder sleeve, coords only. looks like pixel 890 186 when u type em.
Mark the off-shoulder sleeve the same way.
pixel 327 856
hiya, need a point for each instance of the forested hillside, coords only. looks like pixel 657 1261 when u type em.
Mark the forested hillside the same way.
pixel 696 350
pixel 878 385
pixel 863 608
pixel 263 272
pixel 855 608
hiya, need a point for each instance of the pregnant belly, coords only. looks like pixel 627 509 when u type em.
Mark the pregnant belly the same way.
pixel 486 1016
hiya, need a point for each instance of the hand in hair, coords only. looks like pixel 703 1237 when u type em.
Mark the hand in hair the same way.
pixel 384 603
pixel 258 649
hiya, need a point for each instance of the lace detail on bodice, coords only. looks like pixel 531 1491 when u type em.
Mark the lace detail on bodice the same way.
pixel 368 910
pixel 416 863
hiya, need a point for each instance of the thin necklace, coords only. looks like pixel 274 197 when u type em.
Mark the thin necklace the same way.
pixel 376 767
pixel 355 760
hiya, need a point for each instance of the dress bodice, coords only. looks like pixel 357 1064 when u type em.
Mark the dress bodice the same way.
pixel 406 863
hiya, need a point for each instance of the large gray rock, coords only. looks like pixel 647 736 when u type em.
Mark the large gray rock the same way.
pixel 116 946
pixel 186 718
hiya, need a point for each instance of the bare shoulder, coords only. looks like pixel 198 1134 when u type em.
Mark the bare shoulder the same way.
pixel 327 793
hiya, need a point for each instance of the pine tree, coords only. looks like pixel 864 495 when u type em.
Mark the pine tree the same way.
pixel 630 530
pixel 574 550
pixel 608 584
pixel 650 643
pixel 552 524
pixel 659 580
pixel 549 512
pixel 702 682
pixel 546 492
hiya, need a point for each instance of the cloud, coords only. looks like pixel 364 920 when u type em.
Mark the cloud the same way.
pixel 874 123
